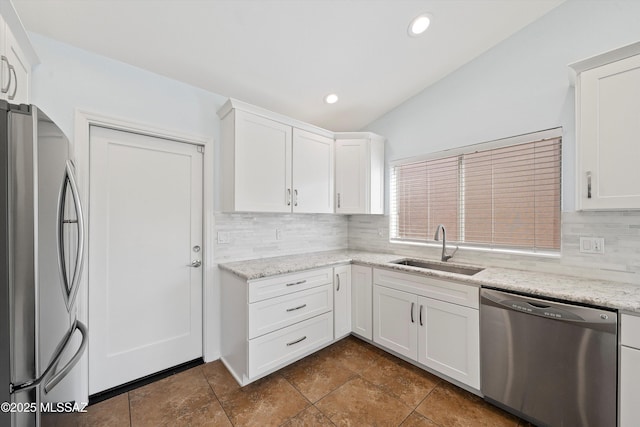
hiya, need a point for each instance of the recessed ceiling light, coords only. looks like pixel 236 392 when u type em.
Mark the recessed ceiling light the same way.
pixel 332 98
pixel 419 25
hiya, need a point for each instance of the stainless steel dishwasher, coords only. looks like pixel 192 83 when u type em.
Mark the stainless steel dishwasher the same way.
pixel 551 363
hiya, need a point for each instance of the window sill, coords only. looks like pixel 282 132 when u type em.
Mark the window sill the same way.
pixel 450 245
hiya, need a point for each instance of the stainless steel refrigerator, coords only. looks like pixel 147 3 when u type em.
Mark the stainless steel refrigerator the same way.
pixel 41 261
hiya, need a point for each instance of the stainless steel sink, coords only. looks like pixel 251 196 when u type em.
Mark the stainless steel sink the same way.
pixel 458 269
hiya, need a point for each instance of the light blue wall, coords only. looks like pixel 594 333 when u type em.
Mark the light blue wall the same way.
pixel 519 86
pixel 69 78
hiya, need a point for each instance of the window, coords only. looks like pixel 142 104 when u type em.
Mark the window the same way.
pixel 499 195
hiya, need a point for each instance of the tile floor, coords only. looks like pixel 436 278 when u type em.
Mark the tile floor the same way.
pixel 350 383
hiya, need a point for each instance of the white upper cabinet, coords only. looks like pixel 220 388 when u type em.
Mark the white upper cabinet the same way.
pixel 359 173
pixel 16 57
pixel 312 172
pixel 271 164
pixel 257 159
pixel 608 130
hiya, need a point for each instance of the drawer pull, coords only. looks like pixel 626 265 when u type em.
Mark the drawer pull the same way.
pixel 412 305
pixel 297 341
pixel 297 283
pixel 296 308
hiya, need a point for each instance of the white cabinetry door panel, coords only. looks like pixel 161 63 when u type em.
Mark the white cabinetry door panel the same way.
pixel 630 331
pixel 285 345
pixel 359 173
pixel 395 321
pixel 312 172
pixel 18 91
pixel 342 301
pixel 276 313
pixel 629 386
pixel 362 301
pixel 4 63
pixel 608 134
pixel 351 176
pixel 263 164
pixel 449 340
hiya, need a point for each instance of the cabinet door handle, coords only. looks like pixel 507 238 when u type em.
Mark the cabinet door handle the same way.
pixel 338 279
pixel 420 311
pixel 297 283
pixel 588 184
pixel 6 61
pixel 338 200
pixel 296 308
pixel 288 197
pixel 412 320
pixel 296 341
pixel 12 69
pixel 295 197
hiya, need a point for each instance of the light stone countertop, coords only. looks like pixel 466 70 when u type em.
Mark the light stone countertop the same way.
pixel 615 295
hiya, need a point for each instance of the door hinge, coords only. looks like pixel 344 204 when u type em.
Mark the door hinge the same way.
pixel 201 149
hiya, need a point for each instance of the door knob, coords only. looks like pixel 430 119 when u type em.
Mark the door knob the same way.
pixel 196 263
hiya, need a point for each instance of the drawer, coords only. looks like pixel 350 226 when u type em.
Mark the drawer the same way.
pixel 276 313
pixel 275 286
pixel 443 290
pixel 630 330
pixel 278 348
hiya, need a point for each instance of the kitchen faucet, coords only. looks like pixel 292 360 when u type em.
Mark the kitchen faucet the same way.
pixel 444 257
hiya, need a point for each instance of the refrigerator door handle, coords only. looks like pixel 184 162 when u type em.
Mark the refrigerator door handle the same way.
pixel 50 383
pixel 70 285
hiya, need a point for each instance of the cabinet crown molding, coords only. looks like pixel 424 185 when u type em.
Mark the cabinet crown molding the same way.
pixel 600 59
pixel 233 103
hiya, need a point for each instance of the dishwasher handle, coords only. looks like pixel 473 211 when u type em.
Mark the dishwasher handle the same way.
pixel 586 317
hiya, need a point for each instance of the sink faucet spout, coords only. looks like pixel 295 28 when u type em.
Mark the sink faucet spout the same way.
pixel 436 237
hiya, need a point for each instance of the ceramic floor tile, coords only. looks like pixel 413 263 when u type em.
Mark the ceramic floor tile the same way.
pixel 221 381
pixel 353 354
pixel 450 406
pixel 113 412
pixel 183 399
pixel 318 375
pixel 403 380
pixel 309 417
pixel 360 403
pixel 417 420
pixel 267 402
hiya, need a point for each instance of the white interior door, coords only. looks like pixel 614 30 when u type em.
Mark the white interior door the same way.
pixel 145 230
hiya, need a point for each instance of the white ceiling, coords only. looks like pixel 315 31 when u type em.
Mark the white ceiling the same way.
pixel 286 55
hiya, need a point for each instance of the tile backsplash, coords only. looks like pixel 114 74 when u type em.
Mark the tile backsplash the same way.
pixel 253 235
pixel 620 261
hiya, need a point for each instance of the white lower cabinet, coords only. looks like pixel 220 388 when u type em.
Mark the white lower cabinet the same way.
pixel 342 301
pixel 435 332
pixel 629 370
pixel 449 340
pixel 272 322
pixel 362 301
pixel 279 348
pixel 394 324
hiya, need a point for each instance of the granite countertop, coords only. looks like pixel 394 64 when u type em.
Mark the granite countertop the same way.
pixel 615 295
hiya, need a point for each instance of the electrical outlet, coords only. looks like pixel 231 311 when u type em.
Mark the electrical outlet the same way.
pixel 223 237
pixel 380 232
pixel 592 245
pixel 278 234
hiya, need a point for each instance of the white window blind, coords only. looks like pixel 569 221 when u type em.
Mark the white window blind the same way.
pixel 506 197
